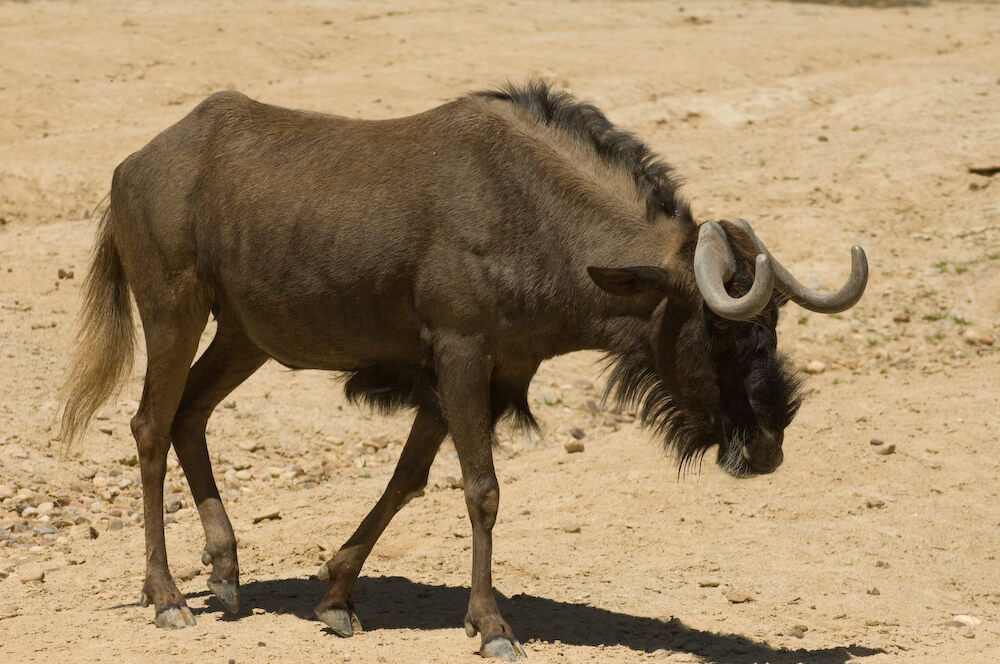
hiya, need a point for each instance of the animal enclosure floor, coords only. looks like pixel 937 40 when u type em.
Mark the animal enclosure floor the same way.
pixel 824 126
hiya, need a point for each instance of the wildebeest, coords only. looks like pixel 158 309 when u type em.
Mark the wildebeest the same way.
pixel 435 259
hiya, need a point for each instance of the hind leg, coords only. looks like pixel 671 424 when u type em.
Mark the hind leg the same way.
pixel 228 361
pixel 408 481
pixel 172 328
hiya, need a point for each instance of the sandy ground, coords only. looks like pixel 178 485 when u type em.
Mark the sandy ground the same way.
pixel 823 125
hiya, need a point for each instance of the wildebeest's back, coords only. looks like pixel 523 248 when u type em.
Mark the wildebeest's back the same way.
pixel 319 222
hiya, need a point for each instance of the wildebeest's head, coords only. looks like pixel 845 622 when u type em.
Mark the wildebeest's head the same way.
pixel 711 373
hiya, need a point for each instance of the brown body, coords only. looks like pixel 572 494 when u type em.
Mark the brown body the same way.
pixel 439 258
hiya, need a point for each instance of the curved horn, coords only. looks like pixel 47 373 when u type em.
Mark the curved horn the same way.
pixel 824 303
pixel 714 265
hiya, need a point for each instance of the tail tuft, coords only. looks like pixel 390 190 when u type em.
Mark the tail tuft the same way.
pixel 105 343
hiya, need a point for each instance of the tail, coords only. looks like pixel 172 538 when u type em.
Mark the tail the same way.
pixel 105 343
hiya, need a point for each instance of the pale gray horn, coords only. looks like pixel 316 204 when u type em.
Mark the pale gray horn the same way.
pixel 714 265
pixel 824 303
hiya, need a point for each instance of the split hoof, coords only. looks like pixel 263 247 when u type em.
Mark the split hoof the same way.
pixel 227 593
pixel 174 617
pixel 500 647
pixel 343 622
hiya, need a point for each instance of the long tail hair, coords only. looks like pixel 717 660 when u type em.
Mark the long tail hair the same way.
pixel 105 342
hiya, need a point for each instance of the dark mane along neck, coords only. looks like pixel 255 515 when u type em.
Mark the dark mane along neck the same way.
pixel 634 385
pixel 654 178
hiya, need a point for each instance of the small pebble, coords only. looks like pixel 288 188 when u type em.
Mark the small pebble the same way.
pixel 736 596
pixel 975 337
pixel 251 445
pixel 115 524
pixel 267 515
pixel 173 503
pixel 573 446
pixel 794 631
pixel 30 573
pixel 886 450
pixel 901 318
pixel 577 433
pixel 815 367
pixel 106 429
pixel 572 528
pixel 454 482
pixel 963 620
pixel 711 583
pixel 873 591
pixel 187 574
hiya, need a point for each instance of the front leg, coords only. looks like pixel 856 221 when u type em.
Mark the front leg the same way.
pixel 464 369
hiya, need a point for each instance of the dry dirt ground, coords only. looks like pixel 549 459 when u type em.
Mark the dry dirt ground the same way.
pixel 823 125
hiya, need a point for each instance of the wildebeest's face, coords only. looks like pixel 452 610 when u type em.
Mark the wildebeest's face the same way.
pixel 729 386
pixel 706 380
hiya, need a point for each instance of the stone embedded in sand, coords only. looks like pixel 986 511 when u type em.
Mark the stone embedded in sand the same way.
pixel 173 502
pixel 267 514
pixel 962 620
pixel 710 583
pixel 187 574
pixel 572 528
pixel 29 573
pixel 815 367
pixel 573 446
pixel 886 450
pixel 736 596
pixel 975 337
pixel 251 445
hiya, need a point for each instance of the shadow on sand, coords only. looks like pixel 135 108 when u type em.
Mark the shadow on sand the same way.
pixel 398 603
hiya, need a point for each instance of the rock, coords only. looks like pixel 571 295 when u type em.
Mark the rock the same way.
pixel 106 430
pixel 815 367
pixel 64 274
pixel 975 337
pixel 46 508
pixel 572 528
pixel 251 445
pixel 796 631
pixel 573 446
pixel 244 475
pixel 30 573
pixel 454 482
pixel 710 583
pixel 187 574
pixel 885 450
pixel 173 502
pixel 577 433
pixel 873 591
pixel 274 471
pixel 591 406
pixel 38 479
pixel 229 404
pixel 962 620
pixel 736 596
pixel 115 524
pixel 89 472
pixel 875 442
pixel 901 318
pixel 267 514
pixel 6 491
pixel 84 531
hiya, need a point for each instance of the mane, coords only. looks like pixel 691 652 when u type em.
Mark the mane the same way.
pixel 655 179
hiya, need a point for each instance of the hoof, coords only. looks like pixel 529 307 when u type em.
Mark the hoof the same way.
pixel 227 593
pixel 174 617
pixel 500 647
pixel 343 622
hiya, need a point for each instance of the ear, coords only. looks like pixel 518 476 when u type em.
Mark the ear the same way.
pixel 632 280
